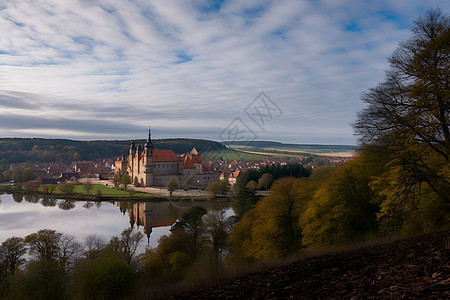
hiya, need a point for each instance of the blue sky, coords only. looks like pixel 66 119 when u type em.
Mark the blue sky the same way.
pixel 108 69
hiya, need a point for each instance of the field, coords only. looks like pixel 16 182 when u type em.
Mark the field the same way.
pixel 273 149
pixel 231 154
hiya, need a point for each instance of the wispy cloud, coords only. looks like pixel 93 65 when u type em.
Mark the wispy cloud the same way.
pixel 106 69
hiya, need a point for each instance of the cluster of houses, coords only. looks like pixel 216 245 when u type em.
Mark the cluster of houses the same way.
pixel 54 173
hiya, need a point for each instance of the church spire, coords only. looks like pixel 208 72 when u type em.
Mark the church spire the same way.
pixel 149 143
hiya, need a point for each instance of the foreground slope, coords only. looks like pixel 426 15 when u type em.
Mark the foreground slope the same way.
pixel 416 268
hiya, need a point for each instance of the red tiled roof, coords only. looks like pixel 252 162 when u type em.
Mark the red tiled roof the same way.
pixel 189 161
pixel 165 156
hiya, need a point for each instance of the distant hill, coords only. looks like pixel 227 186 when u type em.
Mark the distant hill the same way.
pixel 17 150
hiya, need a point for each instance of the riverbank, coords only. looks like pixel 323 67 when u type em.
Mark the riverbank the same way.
pixel 101 191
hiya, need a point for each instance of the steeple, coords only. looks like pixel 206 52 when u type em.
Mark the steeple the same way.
pixel 149 143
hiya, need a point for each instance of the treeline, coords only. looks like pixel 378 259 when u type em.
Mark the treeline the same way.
pixel 60 267
pixel 276 171
pixel 18 150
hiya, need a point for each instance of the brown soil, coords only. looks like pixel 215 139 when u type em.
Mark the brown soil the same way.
pixel 417 268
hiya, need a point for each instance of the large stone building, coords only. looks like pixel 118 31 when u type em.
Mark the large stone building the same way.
pixel 153 167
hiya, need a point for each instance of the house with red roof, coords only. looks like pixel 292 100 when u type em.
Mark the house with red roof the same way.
pixel 230 176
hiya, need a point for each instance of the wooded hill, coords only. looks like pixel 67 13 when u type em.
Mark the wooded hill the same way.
pixel 17 150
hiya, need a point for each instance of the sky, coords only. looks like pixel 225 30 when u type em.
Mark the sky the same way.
pixel 291 71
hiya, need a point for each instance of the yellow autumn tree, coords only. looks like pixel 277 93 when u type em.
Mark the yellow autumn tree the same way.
pixel 271 229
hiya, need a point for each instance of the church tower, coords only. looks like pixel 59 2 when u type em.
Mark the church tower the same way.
pixel 148 160
pixel 131 160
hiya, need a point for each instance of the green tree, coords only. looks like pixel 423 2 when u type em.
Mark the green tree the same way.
pixel 251 185
pixel 192 223
pixel 106 277
pixel 11 252
pixel 126 180
pixel 17 174
pixel 47 244
pixel 44 245
pixel 88 186
pixel 28 174
pixel 172 185
pixel 116 179
pixel 48 188
pixel 265 181
pixel 244 200
pixel 215 187
pixel 66 188
pixel 41 280
pixel 225 186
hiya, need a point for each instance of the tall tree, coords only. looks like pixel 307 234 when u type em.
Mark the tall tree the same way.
pixel 192 223
pixel 88 186
pixel 172 185
pixel 126 180
pixel 44 244
pixel 408 115
pixel 216 228
pixel 11 252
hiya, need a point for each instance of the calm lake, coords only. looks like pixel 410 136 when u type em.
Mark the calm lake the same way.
pixel 21 215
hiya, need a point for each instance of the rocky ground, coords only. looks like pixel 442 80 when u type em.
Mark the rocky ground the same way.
pixel 417 268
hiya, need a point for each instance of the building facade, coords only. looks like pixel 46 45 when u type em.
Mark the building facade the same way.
pixel 154 167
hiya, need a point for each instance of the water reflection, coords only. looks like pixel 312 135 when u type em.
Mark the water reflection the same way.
pixel 150 215
pixel 46 201
pixel 84 218
pixel 66 204
pixel 18 197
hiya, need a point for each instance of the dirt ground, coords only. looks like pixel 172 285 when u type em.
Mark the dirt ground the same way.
pixel 416 268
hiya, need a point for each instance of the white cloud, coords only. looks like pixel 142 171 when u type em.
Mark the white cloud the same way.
pixel 181 64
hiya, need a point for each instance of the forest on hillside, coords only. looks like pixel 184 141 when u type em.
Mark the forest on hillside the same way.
pixel 18 150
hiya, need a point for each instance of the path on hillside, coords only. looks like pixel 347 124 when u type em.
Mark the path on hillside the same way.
pixel 417 268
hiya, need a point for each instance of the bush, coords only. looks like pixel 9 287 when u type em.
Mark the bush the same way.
pixel 107 277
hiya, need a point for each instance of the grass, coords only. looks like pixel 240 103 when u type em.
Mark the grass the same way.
pixel 292 150
pixel 230 154
pixel 107 193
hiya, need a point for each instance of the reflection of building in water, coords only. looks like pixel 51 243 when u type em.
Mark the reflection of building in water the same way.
pixel 148 215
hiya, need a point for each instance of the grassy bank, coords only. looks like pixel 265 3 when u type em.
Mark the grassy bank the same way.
pixel 100 192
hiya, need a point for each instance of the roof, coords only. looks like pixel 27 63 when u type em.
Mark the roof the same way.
pixel 230 174
pixel 189 161
pixel 165 156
